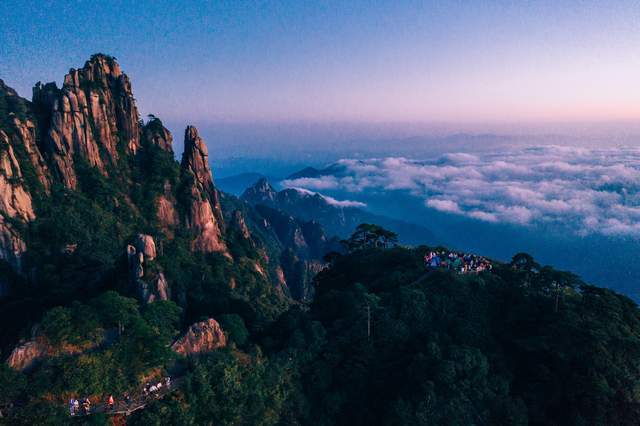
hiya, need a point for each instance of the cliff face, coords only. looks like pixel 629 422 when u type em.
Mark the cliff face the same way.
pixel 15 204
pixel 203 211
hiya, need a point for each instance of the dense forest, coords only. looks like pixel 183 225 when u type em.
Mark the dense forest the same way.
pixel 121 266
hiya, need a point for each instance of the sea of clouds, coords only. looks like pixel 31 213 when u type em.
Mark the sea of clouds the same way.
pixel 585 190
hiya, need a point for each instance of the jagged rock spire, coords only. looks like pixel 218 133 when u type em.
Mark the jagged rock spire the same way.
pixel 204 214
pixel 90 116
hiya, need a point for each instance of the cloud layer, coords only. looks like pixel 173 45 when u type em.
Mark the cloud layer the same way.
pixel 586 190
pixel 330 200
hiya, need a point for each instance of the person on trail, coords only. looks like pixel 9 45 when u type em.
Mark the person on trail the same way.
pixel 110 402
pixel 167 381
pixel 86 405
pixel 127 398
pixel 72 407
pixel 76 406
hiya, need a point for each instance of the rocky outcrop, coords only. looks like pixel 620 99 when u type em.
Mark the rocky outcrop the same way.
pixel 146 246
pixel 154 133
pixel 29 352
pixel 26 354
pixel 166 213
pixel 150 285
pixel 24 134
pixel 240 225
pixel 91 116
pixel 15 205
pixel 201 337
pixel 203 212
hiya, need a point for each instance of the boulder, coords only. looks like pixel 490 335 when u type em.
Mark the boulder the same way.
pixel 201 337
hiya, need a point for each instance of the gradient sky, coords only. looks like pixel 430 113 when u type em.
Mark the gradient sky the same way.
pixel 375 61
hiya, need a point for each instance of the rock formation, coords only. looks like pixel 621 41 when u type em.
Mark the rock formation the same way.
pixel 152 284
pixel 26 354
pixel 261 193
pixel 93 116
pixel 146 246
pixel 240 225
pixel 204 213
pixel 201 337
pixel 154 133
pixel 29 352
pixel 15 204
pixel 24 134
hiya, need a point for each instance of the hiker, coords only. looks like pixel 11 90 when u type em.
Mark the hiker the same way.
pixel 146 389
pixel 127 398
pixel 167 382
pixel 110 402
pixel 72 407
pixel 76 406
pixel 86 405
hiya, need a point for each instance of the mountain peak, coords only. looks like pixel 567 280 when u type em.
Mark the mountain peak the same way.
pixel 205 213
pixel 195 158
pixel 261 192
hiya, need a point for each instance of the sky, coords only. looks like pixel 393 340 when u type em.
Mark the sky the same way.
pixel 454 62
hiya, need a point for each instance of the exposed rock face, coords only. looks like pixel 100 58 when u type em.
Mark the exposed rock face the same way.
pixel 24 134
pixel 26 354
pixel 15 203
pixel 154 133
pixel 146 246
pixel 204 213
pixel 88 117
pixel 240 225
pixel 202 337
pixel 151 286
pixel 166 213
pixel 29 352
pixel 301 257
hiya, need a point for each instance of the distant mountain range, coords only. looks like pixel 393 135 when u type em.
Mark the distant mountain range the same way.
pixel 336 217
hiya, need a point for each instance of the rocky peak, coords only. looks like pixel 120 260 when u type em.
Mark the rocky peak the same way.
pixel 260 192
pixel 195 160
pixel 91 116
pixel 204 213
pixel 201 337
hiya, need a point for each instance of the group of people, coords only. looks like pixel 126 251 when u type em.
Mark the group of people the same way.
pixel 462 263
pixel 153 389
pixel 83 407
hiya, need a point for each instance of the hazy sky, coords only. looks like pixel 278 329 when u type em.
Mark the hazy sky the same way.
pixel 375 61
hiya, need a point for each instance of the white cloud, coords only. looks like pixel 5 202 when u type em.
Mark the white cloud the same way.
pixel 330 200
pixel 444 205
pixel 585 190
